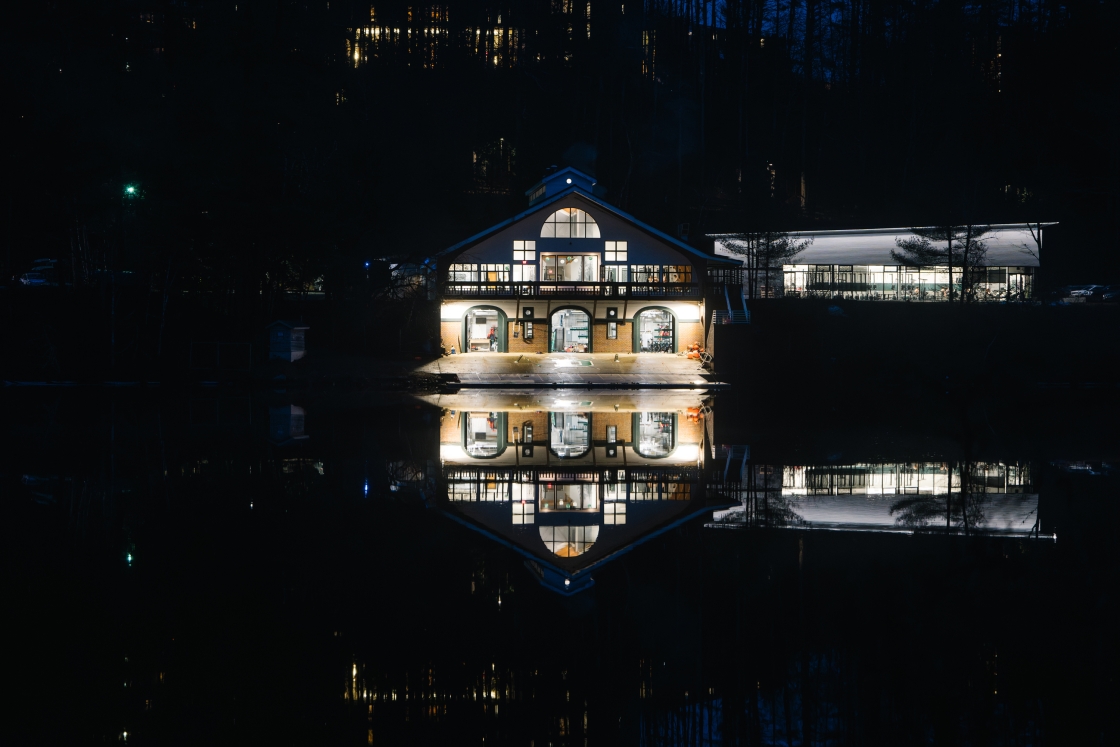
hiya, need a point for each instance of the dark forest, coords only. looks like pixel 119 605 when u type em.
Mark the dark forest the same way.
pixel 277 146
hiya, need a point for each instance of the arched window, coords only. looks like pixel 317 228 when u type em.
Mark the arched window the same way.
pixel 570 223
pixel 484 434
pixel 569 541
pixel 655 434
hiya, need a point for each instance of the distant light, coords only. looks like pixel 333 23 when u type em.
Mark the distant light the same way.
pixel 567 582
pixel 130 190
pixel 128 558
pixel 365 490
pixel 569 180
pixel 367 264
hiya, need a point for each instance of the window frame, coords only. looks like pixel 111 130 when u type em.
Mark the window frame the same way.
pixel 577 224
pixel 525 251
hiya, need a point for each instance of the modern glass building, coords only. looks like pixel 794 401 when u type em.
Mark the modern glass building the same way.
pixel 858 264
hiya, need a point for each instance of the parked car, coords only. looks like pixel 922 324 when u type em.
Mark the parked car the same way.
pixel 1082 290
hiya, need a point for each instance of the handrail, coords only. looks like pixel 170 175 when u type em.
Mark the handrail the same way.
pixel 594 289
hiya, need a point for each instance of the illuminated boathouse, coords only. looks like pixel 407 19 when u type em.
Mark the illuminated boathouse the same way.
pixel 575 274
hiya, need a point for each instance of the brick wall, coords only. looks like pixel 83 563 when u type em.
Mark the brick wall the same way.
pixel 450 428
pixel 450 332
pixel 539 421
pixel 539 343
pixel 688 432
pixel 688 333
pixel 600 343
pixel 600 421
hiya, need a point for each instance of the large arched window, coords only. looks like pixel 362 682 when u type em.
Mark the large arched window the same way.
pixel 570 223
pixel 569 541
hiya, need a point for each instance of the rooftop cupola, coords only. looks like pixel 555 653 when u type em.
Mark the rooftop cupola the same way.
pixel 557 180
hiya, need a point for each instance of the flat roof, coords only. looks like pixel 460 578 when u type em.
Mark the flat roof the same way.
pixel 1009 244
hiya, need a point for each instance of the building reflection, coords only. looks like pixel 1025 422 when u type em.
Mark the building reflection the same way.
pixel 965 497
pixel 572 480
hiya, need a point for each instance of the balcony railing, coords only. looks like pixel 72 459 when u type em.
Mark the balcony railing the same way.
pixel 544 289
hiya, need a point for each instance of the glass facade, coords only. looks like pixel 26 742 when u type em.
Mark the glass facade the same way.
pixel 569 267
pixel 902 283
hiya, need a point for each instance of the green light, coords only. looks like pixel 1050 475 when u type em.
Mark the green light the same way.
pixel 130 190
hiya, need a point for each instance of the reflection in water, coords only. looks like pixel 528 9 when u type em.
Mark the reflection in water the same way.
pixel 595 477
pixel 454 634
pixel 962 497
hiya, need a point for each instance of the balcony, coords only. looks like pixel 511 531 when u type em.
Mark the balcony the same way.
pixel 546 289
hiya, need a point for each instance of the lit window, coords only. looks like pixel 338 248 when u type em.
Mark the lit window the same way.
pixel 569 541
pixel 524 251
pixel 570 223
pixel 614 513
pixel 463 273
pixel 524 273
pixel 494 273
pixel 615 251
pixel 524 512
pixel 678 273
pixel 612 331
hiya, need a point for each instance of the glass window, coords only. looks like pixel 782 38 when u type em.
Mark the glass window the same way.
pixel 645 273
pixel 570 223
pixel 570 267
pixel 569 541
pixel 615 273
pixel 612 330
pixel 463 273
pixel 655 433
pixel 495 273
pixel 524 512
pixel 569 434
pixel 557 496
pixel 678 273
pixel 524 251
pixel 614 513
pixel 615 251
pixel 524 273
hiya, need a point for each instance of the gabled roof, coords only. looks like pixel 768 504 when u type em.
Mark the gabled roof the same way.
pixel 573 176
pixel 583 194
pixel 288 324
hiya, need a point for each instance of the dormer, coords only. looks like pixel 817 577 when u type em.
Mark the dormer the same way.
pixel 557 180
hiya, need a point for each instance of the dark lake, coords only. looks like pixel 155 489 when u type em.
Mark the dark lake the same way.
pixel 556 568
